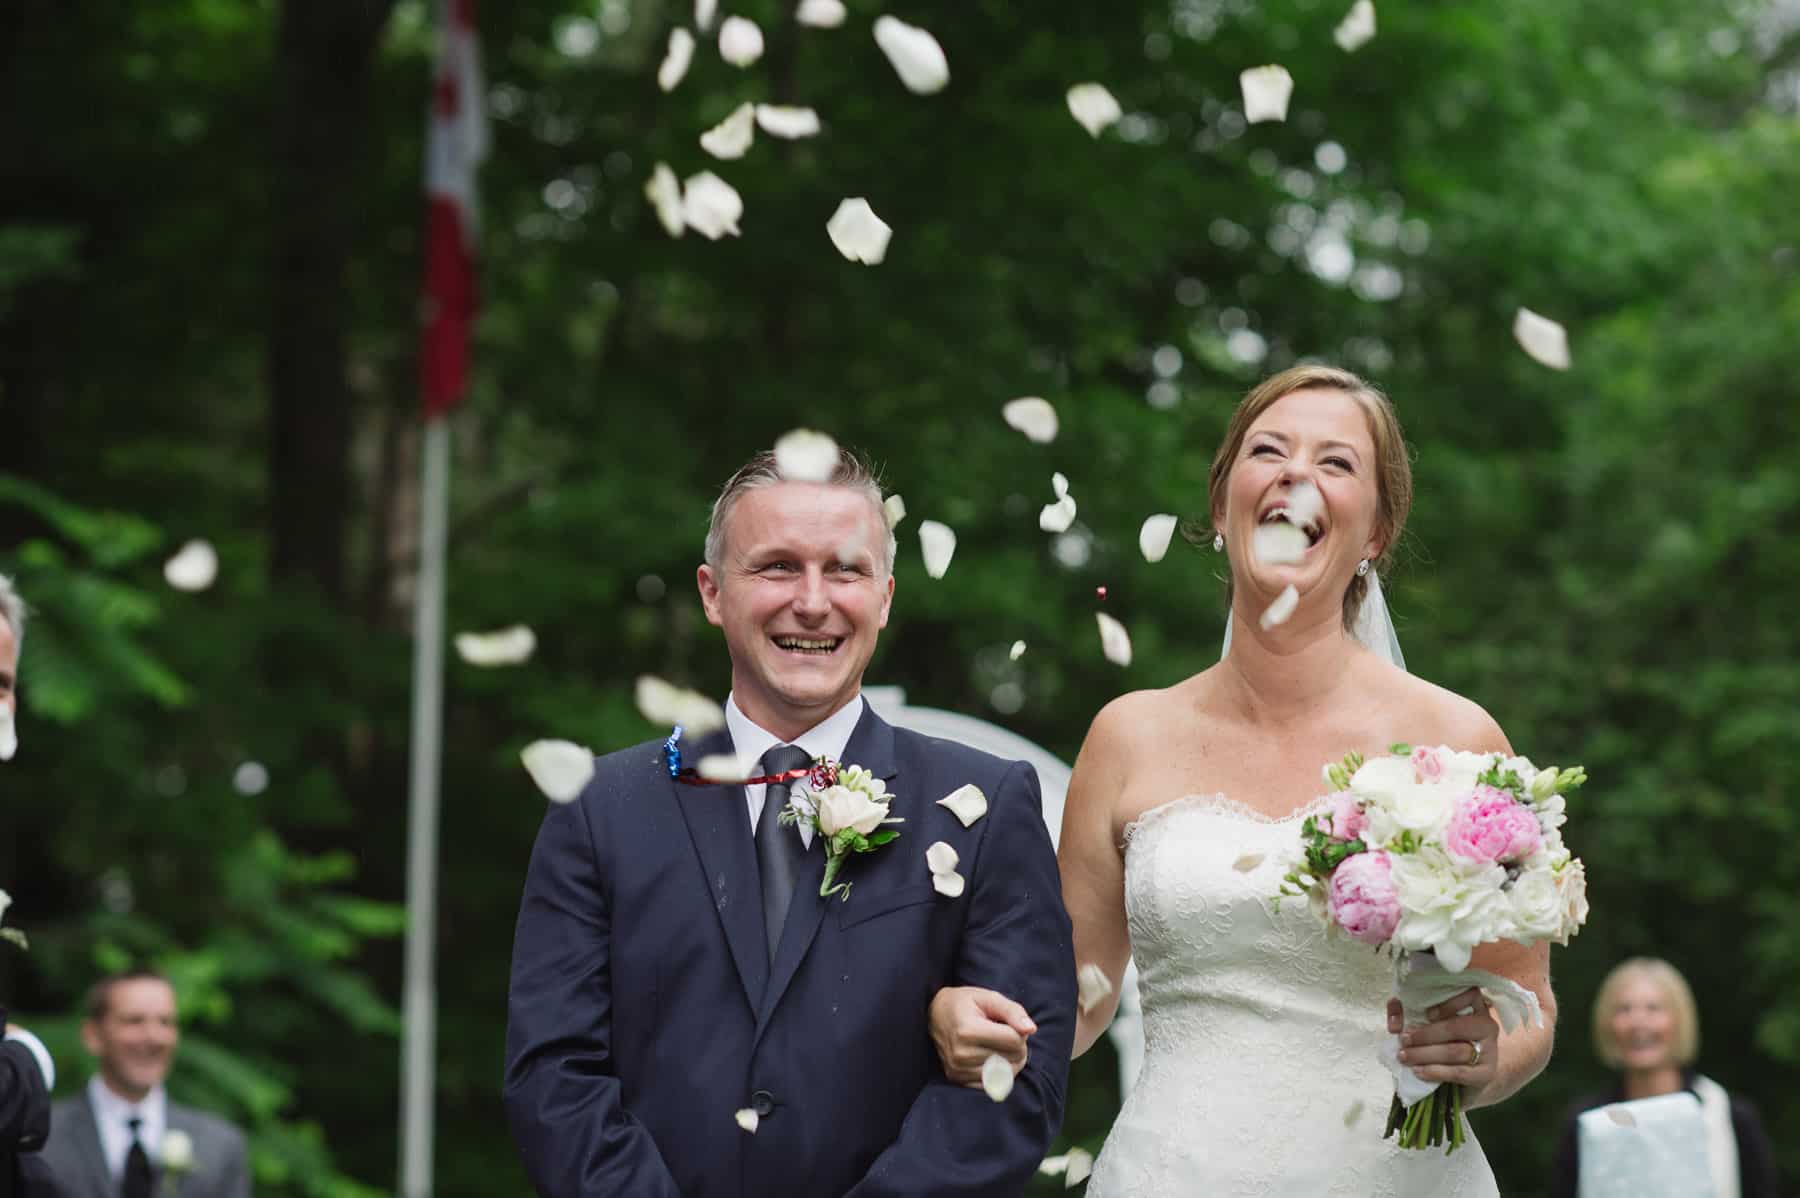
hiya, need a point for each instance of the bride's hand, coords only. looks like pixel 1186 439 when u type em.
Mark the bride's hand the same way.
pixel 1460 1044
pixel 970 1024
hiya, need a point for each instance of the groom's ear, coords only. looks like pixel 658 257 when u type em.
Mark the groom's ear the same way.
pixel 887 600
pixel 709 594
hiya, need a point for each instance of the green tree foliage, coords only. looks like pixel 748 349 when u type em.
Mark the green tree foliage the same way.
pixel 1599 557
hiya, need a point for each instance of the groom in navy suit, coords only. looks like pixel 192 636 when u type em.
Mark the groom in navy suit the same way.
pixel 688 1017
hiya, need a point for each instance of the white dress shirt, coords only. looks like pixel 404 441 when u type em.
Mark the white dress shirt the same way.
pixel 112 1116
pixel 825 739
pixel 46 1066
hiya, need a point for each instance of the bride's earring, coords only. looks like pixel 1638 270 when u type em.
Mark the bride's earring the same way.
pixel 1362 567
pixel 1218 542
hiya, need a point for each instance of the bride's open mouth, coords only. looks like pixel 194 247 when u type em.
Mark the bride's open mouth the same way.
pixel 808 646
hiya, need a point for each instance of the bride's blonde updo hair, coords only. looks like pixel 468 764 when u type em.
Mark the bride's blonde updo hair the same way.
pixel 1393 467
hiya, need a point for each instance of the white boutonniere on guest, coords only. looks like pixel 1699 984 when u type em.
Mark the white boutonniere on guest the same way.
pixel 847 810
pixel 177 1157
pixel 12 934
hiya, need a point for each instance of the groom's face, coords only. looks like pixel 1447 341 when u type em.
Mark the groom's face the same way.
pixel 802 593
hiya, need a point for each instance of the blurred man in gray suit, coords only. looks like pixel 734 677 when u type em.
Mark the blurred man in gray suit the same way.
pixel 122 1137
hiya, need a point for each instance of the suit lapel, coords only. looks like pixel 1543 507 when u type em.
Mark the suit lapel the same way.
pixel 718 819
pixel 87 1128
pixel 872 747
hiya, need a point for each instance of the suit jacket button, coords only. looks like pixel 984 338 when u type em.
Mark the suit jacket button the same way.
pixel 763 1103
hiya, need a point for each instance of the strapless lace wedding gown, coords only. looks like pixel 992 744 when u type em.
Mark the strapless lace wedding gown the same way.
pixel 1260 1075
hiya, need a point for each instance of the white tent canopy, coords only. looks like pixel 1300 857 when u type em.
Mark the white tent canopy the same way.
pixel 889 702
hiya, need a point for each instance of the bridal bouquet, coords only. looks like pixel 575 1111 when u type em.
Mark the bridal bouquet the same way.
pixel 1429 852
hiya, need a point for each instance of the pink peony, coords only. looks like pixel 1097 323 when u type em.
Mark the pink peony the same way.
pixel 1363 900
pixel 1490 825
pixel 1346 816
pixel 1429 763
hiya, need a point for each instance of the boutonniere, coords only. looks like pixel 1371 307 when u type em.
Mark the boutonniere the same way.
pixel 177 1157
pixel 847 810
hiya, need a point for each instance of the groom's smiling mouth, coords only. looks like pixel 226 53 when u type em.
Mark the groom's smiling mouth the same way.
pixel 809 646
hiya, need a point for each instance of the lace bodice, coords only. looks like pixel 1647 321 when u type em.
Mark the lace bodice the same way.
pixel 1260 1073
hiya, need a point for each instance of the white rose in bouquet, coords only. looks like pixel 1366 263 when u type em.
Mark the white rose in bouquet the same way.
pixel 1448 909
pixel 1537 907
pixel 1571 887
pixel 841 807
pixel 1462 769
pixel 1381 776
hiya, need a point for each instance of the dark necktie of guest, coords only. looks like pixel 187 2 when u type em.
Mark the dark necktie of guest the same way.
pixel 778 849
pixel 137 1165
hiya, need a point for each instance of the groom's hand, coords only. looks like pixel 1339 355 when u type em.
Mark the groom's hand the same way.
pixel 970 1024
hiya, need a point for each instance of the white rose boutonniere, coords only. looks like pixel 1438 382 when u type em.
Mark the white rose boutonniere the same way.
pixel 177 1157
pixel 848 811
pixel 12 934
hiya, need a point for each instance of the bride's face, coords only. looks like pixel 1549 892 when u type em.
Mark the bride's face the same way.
pixel 1319 436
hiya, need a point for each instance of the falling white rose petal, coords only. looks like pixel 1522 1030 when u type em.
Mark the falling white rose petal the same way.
pixel 727 767
pixel 1266 93
pixel 1081 1164
pixel 704 12
pixel 194 568
pixel 663 190
pixel 1542 338
pixel 780 121
pixel 950 884
pixel 1154 536
pixel 1091 986
pixel 1247 862
pixel 1056 517
pixel 1278 544
pixel 9 739
pixel 676 59
pixel 1115 642
pixel 711 206
pixel 506 647
pixel 1094 107
pixel 731 137
pixel 665 704
pixel 967 803
pixel 938 543
pixel 821 14
pixel 1032 416
pixel 1357 27
pixel 858 233
pixel 1016 652
pixel 559 767
pixel 1304 503
pixel 1281 609
pixel 747 1120
pixel 805 456
pixel 1621 1116
pixel 996 1077
pixel 1353 1113
pixel 940 858
pixel 893 508
pixel 740 41
pixel 916 55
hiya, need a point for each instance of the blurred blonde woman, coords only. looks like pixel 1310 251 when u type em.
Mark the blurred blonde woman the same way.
pixel 1647 1029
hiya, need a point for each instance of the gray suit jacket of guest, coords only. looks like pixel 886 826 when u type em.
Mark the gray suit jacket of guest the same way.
pixel 221 1157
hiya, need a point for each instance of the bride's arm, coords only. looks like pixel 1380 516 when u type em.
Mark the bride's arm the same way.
pixel 1524 1051
pixel 1093 872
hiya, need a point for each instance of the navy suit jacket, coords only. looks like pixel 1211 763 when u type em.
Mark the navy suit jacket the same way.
pixel 24 1123
pixel 644 1011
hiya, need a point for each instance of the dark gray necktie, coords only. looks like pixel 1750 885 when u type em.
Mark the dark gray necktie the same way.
pixel 778 849
pixel 137 1180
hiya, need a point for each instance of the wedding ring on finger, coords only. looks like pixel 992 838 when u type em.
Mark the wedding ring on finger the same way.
pixel 1474 1054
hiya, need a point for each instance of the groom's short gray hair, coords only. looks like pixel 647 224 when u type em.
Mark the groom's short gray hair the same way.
pixel 852 471
pixel 12 610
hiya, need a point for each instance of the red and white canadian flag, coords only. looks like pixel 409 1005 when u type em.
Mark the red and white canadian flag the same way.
pixel 456 142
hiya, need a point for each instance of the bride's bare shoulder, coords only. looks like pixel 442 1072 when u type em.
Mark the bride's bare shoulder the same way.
pixel 1437 715
pixel 1147 717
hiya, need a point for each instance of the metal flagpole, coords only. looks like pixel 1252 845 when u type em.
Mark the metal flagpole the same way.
pixel 418 1080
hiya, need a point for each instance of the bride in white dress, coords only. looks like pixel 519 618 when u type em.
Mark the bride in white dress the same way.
pixel 1261 1074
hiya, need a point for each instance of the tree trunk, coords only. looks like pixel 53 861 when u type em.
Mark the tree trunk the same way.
pixel 324 55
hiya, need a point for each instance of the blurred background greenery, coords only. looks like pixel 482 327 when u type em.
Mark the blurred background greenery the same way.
pixel 209 263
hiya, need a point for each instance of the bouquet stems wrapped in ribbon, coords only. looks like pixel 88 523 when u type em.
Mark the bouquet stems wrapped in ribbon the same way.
pixel 1428 853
